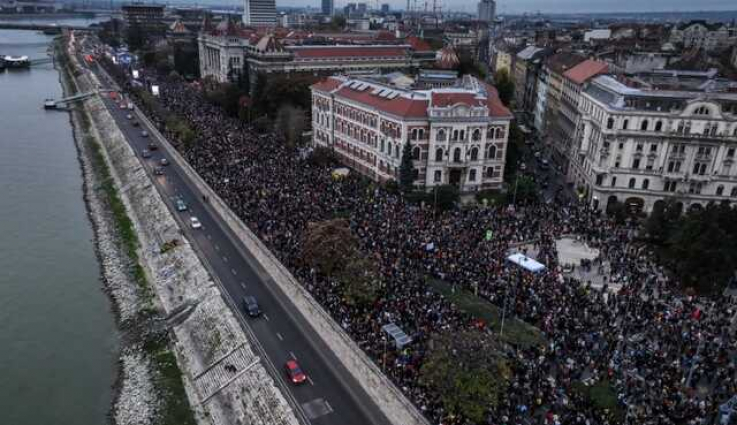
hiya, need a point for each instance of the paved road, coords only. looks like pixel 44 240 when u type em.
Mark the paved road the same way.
pixel 332 395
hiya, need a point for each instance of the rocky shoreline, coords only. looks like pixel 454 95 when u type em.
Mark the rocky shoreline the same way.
pixel 135 398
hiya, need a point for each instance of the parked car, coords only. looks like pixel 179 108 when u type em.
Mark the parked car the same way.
pixel 250 305
pixel 544 164
pixel 294 372
pixel 144 133
pixel 135 123
pixel 153 146
pixel 164 162
pixel 158 171
pixel 146 153
pixel 195 223
pixel 181 206
pixel 129 116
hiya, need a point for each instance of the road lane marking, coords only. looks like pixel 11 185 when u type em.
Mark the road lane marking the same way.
pixel 225 258
pixel 209 237
pixel 233 271
pixel 291 353
pixel 278 335
pixel 243 285
pixel 266 317
pixel 313 384
pixel 217 248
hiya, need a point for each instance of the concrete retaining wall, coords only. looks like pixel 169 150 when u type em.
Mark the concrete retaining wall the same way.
pixel 384 393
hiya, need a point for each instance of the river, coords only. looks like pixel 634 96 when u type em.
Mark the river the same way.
pixel 58 341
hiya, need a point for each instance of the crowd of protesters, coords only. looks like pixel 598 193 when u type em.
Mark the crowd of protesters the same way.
pixel 669 357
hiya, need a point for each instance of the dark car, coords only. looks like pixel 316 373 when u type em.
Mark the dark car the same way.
pixel 135 123
pixel 159 171
pixel 250 305
pixel 294 372
pixel 181 205
pixel 153 146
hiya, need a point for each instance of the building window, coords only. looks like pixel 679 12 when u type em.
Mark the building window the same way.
pixel 491 152
pixel 415 174
pixel 625 124
pixel 720 190
pixel 416 153
pixel 474 153
pixel 455 135
pixel 614 181
pixel 670 186
pixel 439 154
pixel 659 126
pixel 644 125
pixel 632 183
pixel 472 175
pixel 599 179
pixel 489 172
pixel 733 193
pixel 396 151
pixel 653 148
pixel 457 155
pixel 441 135
pixel 636 163
pixel 610 124
pixel 645 184
pixel 438 176
pixel 680 127
pixel 476 135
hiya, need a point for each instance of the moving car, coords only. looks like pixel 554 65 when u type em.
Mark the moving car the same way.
pixel 159 171
pixel 146 153
pixel 250 305
pixel 195 223
pixel 153 146
pixel 164 162
pixel 181 206
pixel 294 372
pixel 129 116
pixel 144 133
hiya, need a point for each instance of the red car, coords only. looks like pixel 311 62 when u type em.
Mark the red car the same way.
pixel 294 372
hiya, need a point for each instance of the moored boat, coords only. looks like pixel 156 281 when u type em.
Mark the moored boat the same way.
pixel 17 62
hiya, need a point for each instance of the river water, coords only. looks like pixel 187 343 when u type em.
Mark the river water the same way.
pixel 58 342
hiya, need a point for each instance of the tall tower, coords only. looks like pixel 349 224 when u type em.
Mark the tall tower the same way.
pixel 259 13
pixel 486 10
pixel 328 7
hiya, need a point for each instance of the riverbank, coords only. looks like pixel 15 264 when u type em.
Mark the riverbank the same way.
pixel 186 359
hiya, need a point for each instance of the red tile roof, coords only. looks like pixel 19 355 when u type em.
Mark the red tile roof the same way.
pixel 418 44
pixel 400 106
pixel 327 85
pixel 495 105
pixel 586 70
pixel 347 52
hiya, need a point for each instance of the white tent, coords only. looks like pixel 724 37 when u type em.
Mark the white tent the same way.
pixel 526 263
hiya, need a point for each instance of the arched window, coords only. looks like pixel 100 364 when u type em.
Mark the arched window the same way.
pixel 498 134
pixel 457 155
pixel 441 135
pixel 474 153
pixel 455 135
pixel 632 183
pixel 463 134
pixel 720 190
pixel 382 145
pixel 734 132
pixel 733 193
pixel 659 126
pixel 438 177
pixel 644 125
pixel 491 152
pixel 645 184
pixel 625 124
pixel 396 151
pixel 416 153
pixel 489 172
pixel 476 135
pixel 472 175
pixel 610 123
pixel 439 154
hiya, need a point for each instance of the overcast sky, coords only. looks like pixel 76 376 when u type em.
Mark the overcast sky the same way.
pixel 559 6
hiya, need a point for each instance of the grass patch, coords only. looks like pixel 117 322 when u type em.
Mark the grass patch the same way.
pixel 176 409
pixel 516 332
pixel 603 397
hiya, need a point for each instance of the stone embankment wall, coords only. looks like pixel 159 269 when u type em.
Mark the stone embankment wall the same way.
pixel 393 403
pixel 225 380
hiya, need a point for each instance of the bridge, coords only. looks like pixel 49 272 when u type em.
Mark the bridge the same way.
pixel 52 104
pixel 44 27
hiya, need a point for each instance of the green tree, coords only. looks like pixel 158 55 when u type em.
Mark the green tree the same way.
pixel 515 145
pixel 290 122
pixel 360 281
pixel 338 22
pixel 505 86
pixel 523 190
pixel 406 172
pixel 445 197
pixel 329 246
pixel 467 370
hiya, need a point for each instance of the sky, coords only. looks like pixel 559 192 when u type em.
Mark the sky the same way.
pixel 547 6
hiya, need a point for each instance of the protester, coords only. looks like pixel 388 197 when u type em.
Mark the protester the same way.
pixel 669 357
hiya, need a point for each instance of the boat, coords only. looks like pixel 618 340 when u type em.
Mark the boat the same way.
pixel 49 104
pixel 17 62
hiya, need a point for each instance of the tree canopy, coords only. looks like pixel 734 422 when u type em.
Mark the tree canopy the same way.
pixel 468 371
pixel 505 86
pixel 406 175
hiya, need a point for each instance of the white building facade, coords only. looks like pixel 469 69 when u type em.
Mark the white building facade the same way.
pixel 643 146
pixel 457 135
pixel 259 13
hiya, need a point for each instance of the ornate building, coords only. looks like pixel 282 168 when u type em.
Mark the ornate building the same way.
pixel 662 135
pixel 458 135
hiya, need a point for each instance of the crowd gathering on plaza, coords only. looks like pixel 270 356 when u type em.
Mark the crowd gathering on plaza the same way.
pixel 670 357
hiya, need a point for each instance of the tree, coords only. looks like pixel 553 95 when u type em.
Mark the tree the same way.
pixel 467 370
pixel 338 22
pixel 514 150
pixel 524 190
pixel 445 197
pixel 406 171
pixel 360 280
pixel 329 246
pixel 290 122
pixel 505 86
